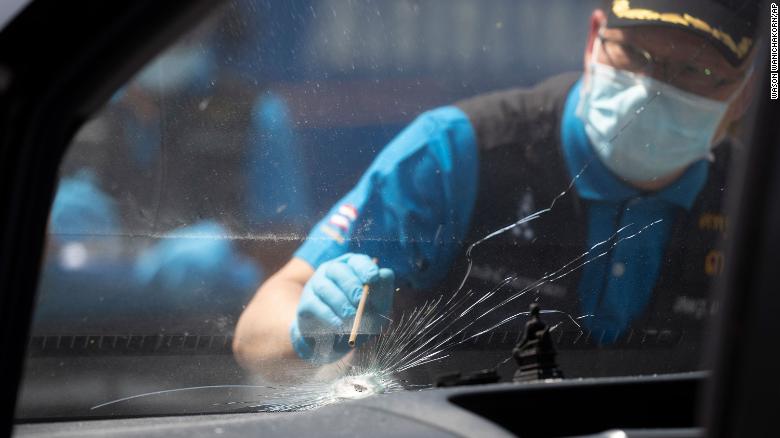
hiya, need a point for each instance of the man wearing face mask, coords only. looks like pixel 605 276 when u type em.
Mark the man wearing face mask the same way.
pixel 644 135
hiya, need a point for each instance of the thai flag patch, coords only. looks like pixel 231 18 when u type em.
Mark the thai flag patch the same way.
pixel 348 211
pixel 340 222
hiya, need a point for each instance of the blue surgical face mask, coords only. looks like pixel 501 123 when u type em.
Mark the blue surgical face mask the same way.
pixel 643 129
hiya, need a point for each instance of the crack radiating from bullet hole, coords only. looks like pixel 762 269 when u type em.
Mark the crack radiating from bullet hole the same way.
pixel 425 334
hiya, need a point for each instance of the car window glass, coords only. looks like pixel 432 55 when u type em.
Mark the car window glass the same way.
pixel 275 126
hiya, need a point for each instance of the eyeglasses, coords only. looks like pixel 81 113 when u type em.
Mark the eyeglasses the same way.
pixel 686 76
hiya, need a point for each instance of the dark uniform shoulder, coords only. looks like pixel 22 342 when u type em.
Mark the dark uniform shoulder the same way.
pixel 518 114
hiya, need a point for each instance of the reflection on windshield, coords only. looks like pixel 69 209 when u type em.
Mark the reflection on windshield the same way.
pixel 426 334
pixel 293 176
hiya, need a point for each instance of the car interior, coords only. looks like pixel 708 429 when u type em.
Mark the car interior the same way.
pixel 63 62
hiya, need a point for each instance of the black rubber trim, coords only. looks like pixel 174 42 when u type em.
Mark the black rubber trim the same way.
pixel 59 62
pixel 745 387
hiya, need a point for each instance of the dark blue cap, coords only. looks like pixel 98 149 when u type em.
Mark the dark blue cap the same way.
pixel 731 25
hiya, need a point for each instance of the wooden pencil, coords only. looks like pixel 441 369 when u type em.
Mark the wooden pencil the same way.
pixel 358 316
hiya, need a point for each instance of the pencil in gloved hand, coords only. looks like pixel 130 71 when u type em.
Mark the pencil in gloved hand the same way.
pixel 359 313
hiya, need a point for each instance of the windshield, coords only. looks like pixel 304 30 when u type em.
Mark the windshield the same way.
pixel 310 201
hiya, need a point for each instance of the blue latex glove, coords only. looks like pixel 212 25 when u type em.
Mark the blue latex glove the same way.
pixel 329 303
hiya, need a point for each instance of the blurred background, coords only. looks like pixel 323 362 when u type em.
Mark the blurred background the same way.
pixel 204 173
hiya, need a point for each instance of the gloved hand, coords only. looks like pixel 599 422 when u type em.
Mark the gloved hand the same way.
pixel 329 303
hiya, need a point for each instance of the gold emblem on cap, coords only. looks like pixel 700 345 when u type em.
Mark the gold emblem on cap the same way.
pixel 623 9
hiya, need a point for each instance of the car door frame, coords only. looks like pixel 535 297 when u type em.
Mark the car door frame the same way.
pixel 59 63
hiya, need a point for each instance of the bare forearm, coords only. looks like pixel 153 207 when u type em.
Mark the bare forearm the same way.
pixel 262 339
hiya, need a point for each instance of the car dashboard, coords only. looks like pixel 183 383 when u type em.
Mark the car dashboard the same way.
pixel 642 406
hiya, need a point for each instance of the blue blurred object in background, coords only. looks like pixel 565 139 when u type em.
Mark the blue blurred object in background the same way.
pixel 182 68
pixel 278 193
pixel 88 279
pixel 192 272
pixel 81 211
pixel 194 263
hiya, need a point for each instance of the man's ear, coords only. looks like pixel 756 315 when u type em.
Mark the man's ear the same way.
pixel 597 19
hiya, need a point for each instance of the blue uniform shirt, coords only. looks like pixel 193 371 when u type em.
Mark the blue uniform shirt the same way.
pixel 616 288
pixel 426 179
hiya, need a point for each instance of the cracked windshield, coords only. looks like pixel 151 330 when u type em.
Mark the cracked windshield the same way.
pixel 304 202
